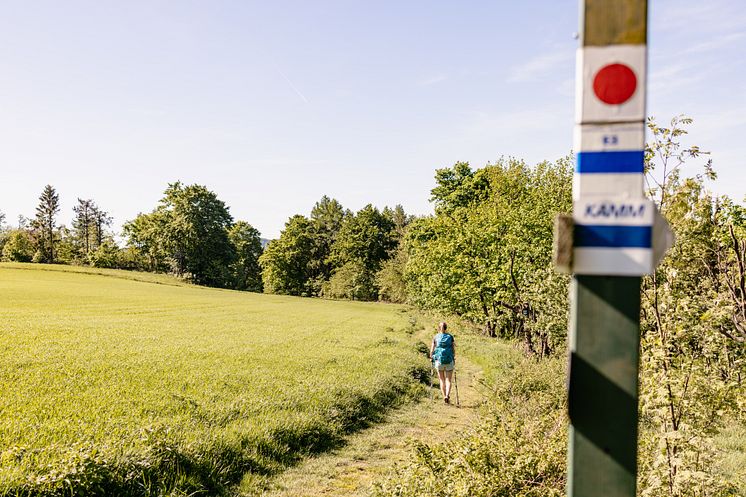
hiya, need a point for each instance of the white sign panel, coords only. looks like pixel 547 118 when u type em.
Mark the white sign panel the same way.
pixel 603 185
pixel 610 84
pixel 609 137
pixel 613 236
pixel 610 160
pixel 614 212
pixel 612 262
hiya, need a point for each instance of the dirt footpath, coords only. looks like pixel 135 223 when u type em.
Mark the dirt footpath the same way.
pixel 352 469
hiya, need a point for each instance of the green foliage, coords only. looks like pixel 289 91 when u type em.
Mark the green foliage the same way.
pixel 119 387
pixel 45 224
pixel 365 237
pixel 88 227
pixel 693 354
pixel 285 261
pixel 334 254
pixel 486 254
pixel 245 268
pixel 390 279
pixel 189 230
pixel 400 220
pixel 516 447
pixel 197 233
pixel 392 287
pixel 18 246
pixel 106 255
pixel 352 281
pixel 146 234
pixel 458 187
pixel 327 217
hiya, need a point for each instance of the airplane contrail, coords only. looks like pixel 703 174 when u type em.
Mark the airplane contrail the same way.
pixel 296 90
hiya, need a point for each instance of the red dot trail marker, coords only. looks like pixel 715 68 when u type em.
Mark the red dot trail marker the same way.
pixel 614 84
pixel 610 84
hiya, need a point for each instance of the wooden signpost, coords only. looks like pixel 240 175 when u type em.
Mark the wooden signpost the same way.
pixel 613 230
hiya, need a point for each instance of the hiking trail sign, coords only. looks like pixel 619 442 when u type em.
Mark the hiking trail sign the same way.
pixel 615 236
pixel 609 141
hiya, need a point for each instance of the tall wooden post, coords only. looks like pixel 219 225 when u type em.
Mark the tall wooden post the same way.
pixel 612 249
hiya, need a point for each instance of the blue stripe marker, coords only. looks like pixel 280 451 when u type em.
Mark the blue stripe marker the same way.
pixel 613 236
pixel 626 161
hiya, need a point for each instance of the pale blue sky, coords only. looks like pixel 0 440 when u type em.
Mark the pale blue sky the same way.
pixel 273 104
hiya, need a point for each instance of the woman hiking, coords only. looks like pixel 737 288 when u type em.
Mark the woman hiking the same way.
pixel 443 357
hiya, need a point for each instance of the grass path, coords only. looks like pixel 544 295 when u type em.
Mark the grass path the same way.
pixel 352 469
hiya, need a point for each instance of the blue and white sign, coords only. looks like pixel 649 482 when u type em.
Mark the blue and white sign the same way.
pixel 613 236
pixel 610 160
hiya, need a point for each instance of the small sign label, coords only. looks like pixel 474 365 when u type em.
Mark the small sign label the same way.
pixel 610 160
pixel 614 211
pixel 610 84
pixel 618 236
pixel 609 137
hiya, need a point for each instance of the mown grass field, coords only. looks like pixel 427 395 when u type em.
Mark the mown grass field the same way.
pixel 110 385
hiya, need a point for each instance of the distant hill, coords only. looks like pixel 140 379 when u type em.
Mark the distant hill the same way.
pixel 265 242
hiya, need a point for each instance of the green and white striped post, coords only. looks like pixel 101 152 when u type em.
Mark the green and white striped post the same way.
pixel 611 248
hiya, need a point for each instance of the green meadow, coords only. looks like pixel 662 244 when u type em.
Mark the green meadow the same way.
pixel 128 383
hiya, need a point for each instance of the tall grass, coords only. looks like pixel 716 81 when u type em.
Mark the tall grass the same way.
pixel 114 386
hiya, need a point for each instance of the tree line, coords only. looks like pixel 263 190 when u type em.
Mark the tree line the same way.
pixel 41 239
pixel 484 255
pixel 190 233
pixel 335 253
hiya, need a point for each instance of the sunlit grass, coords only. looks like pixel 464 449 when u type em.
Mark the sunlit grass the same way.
pixel 113 385
pixel 731 442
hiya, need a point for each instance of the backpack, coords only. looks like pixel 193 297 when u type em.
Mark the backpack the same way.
pixel 443 352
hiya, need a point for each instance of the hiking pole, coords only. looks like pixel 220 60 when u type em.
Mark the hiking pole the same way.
pixel 455 383
pixel 432 374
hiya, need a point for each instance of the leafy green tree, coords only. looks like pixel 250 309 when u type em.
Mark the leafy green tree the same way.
pixel 352 281
pixel 390 280
pixel 285 261
pixel 82 227
pixel 45 224
pixel 19 246
pixel 189 229
pixel 67 251
pixel 101 221
pixel 486 254
pixel 89 227
pixel 327 217
pixel 458 186
pixel 106 255
pixel 196 233
pixel 147 238
pixel 4 232
pixel 363 243
pixel 399 220
pixel 245 269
